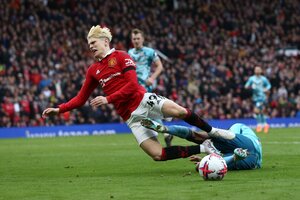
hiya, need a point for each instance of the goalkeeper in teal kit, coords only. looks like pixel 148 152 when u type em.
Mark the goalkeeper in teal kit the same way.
pixel 241 152
pixel 145 57
pixel 259 85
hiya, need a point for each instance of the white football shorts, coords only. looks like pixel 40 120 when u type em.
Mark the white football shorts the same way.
pixel 150 107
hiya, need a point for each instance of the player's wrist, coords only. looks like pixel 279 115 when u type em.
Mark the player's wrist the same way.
pixel 151 80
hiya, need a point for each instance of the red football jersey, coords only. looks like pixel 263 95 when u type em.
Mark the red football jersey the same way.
pixel 116 74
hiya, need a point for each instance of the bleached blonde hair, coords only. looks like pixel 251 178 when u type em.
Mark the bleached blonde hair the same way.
pixel 97 32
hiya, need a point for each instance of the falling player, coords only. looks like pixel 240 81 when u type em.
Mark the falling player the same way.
pixel 114 71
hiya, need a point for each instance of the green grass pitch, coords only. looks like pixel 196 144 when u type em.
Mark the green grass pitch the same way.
pixel 114 167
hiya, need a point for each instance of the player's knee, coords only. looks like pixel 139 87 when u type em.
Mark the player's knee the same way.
pixel 153 148
pixel 156 157
pixel 180 113
pixel 171 109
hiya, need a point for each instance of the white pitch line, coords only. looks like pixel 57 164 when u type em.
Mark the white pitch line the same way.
pixel 277 142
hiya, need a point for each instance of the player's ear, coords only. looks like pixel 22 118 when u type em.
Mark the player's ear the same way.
pixel 106 42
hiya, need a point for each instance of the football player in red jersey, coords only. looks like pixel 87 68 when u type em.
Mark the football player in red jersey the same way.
pixel 114 71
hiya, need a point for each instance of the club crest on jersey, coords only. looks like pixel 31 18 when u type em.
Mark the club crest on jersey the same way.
pixel 112 62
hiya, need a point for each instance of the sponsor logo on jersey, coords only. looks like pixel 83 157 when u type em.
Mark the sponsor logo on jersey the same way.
pixel 105 80
pixel 129 62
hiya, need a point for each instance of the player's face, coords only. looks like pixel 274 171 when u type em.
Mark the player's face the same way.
pixel 137 40
pixel 98 46
pixel 257 71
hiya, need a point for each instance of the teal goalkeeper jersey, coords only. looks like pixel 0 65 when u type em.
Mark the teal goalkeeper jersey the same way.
pixel 239 128
pixel 258 84
pixel 143 58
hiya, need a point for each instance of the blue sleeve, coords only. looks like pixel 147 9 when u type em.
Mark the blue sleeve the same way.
pixel 267 84
pixel 129 51
pixel 155 56
pixel 249 82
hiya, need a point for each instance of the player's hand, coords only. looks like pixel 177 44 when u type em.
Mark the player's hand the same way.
pixel 149 81
pixel 195 158
pixel 98 101
pixel 50 111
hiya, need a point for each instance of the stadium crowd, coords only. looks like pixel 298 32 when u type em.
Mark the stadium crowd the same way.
pixel 212 48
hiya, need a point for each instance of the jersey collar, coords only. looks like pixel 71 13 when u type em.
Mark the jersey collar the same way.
pixel 108 53
pixel 140 49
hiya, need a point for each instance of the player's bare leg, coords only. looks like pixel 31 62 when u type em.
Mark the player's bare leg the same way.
pixel 153 148
pixel 171 109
